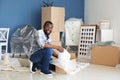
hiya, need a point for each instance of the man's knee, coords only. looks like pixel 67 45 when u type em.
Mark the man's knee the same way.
pixel 49 51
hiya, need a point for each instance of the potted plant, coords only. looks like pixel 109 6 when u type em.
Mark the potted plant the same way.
pixel 47 3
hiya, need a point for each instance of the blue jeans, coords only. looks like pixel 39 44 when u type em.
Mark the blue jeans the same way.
pixel 41 58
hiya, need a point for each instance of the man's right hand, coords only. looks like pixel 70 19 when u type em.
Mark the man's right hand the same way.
pixel 60 49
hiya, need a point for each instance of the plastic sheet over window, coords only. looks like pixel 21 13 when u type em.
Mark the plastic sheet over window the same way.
pixel 23 40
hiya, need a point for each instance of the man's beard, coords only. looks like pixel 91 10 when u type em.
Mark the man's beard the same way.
pixel 47 34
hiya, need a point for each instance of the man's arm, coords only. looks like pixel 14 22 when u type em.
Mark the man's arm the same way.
pixel 59 48
pixel 42 44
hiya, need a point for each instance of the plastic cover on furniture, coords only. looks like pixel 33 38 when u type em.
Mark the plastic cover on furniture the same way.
pixel 23 40
pixel 72 31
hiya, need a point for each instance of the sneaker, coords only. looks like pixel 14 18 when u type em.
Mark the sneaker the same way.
pixel 32 67
pixel 47 72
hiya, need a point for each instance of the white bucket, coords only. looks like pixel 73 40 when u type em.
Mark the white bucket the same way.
pixel 105 24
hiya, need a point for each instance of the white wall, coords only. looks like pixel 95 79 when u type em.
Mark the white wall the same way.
pixel 97 10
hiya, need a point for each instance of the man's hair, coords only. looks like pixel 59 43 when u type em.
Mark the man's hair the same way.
pixel 46 23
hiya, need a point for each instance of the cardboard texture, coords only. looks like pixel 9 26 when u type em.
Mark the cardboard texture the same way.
pixel 57 11
pixel 55 15
pixel 59 70
pixel 55 36
pixel 58 43
pixel 73 56
pixel 58 22
pixel 61 24
pixel 106 55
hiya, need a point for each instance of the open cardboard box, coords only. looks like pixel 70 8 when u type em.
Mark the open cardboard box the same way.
pixel 106 55
pixel 60 70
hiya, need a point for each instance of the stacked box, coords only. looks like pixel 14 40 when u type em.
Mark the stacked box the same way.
pixel 56 16
pixel 56 43
pixel 55 36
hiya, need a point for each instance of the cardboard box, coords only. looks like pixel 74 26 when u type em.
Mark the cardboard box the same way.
pixel 57 23
pixel 106 55
pixel 61 24
pixel 58 43
pixel 55 15
pixel 55 37
pixel 73 56
pixel 57 11
pixel 73 67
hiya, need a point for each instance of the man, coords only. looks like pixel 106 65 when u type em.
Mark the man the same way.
pixel 41 58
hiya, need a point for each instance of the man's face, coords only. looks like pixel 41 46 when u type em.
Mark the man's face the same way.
pixel 48 29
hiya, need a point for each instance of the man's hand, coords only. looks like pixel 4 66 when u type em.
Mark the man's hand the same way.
pixel 60 49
